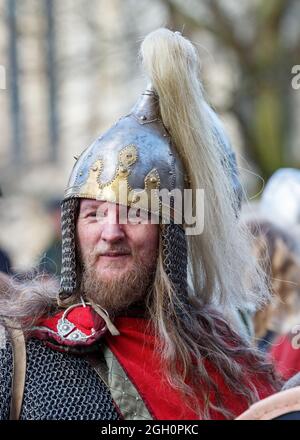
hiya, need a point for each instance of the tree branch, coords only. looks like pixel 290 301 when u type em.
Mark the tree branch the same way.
pixel 221 28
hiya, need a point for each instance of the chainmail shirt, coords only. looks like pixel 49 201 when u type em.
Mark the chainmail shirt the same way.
pixel 58 386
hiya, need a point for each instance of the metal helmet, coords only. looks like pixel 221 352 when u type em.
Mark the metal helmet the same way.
pixel 131 162
pixel 134 157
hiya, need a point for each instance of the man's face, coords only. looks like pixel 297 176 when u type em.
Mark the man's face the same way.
pixel 118 260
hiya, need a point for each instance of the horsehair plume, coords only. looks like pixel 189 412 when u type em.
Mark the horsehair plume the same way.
pixel 217 255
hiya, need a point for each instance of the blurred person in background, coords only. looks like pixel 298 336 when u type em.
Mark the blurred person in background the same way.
pixel 137 330
pixel 277 325
pixel 277 252
pixel 277 246
pixel 51 260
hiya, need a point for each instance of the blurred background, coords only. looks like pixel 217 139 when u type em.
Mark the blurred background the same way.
pixel 69 69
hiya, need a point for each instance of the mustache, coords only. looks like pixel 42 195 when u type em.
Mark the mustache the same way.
pixel 106 249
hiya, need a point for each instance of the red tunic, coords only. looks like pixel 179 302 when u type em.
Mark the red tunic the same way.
pixel 134 349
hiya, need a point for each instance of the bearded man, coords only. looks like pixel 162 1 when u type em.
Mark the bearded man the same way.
pixel 136 330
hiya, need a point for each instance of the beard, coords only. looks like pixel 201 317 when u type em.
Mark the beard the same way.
pixel 121 291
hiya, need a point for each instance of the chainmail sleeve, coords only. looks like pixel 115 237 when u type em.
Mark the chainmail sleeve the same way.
pixel 6 362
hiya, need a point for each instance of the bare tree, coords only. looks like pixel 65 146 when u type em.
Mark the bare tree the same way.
pixel 52 80
pixel 263 101
pixel 11 10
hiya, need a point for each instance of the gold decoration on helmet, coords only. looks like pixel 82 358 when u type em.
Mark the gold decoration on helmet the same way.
pixel 118 190
pixel 91 185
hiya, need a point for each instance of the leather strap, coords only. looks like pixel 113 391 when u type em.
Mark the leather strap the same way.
pixel 19 371
pixel 123 391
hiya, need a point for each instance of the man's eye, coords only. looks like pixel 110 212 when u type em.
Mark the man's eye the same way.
pixel 92 214
pixel 101 213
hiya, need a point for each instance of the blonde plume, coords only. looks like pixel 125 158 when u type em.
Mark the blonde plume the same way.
pixel 221 263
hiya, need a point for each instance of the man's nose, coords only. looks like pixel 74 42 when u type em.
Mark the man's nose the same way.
pixel 112 233
pixel 112 230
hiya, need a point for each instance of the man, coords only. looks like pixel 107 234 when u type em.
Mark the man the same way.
pixel 133 335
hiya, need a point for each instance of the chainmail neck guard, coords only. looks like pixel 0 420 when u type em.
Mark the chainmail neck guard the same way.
pixel 69 213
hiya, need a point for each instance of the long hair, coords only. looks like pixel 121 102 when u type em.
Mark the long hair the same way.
pixel 223 272
pixel 198 337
